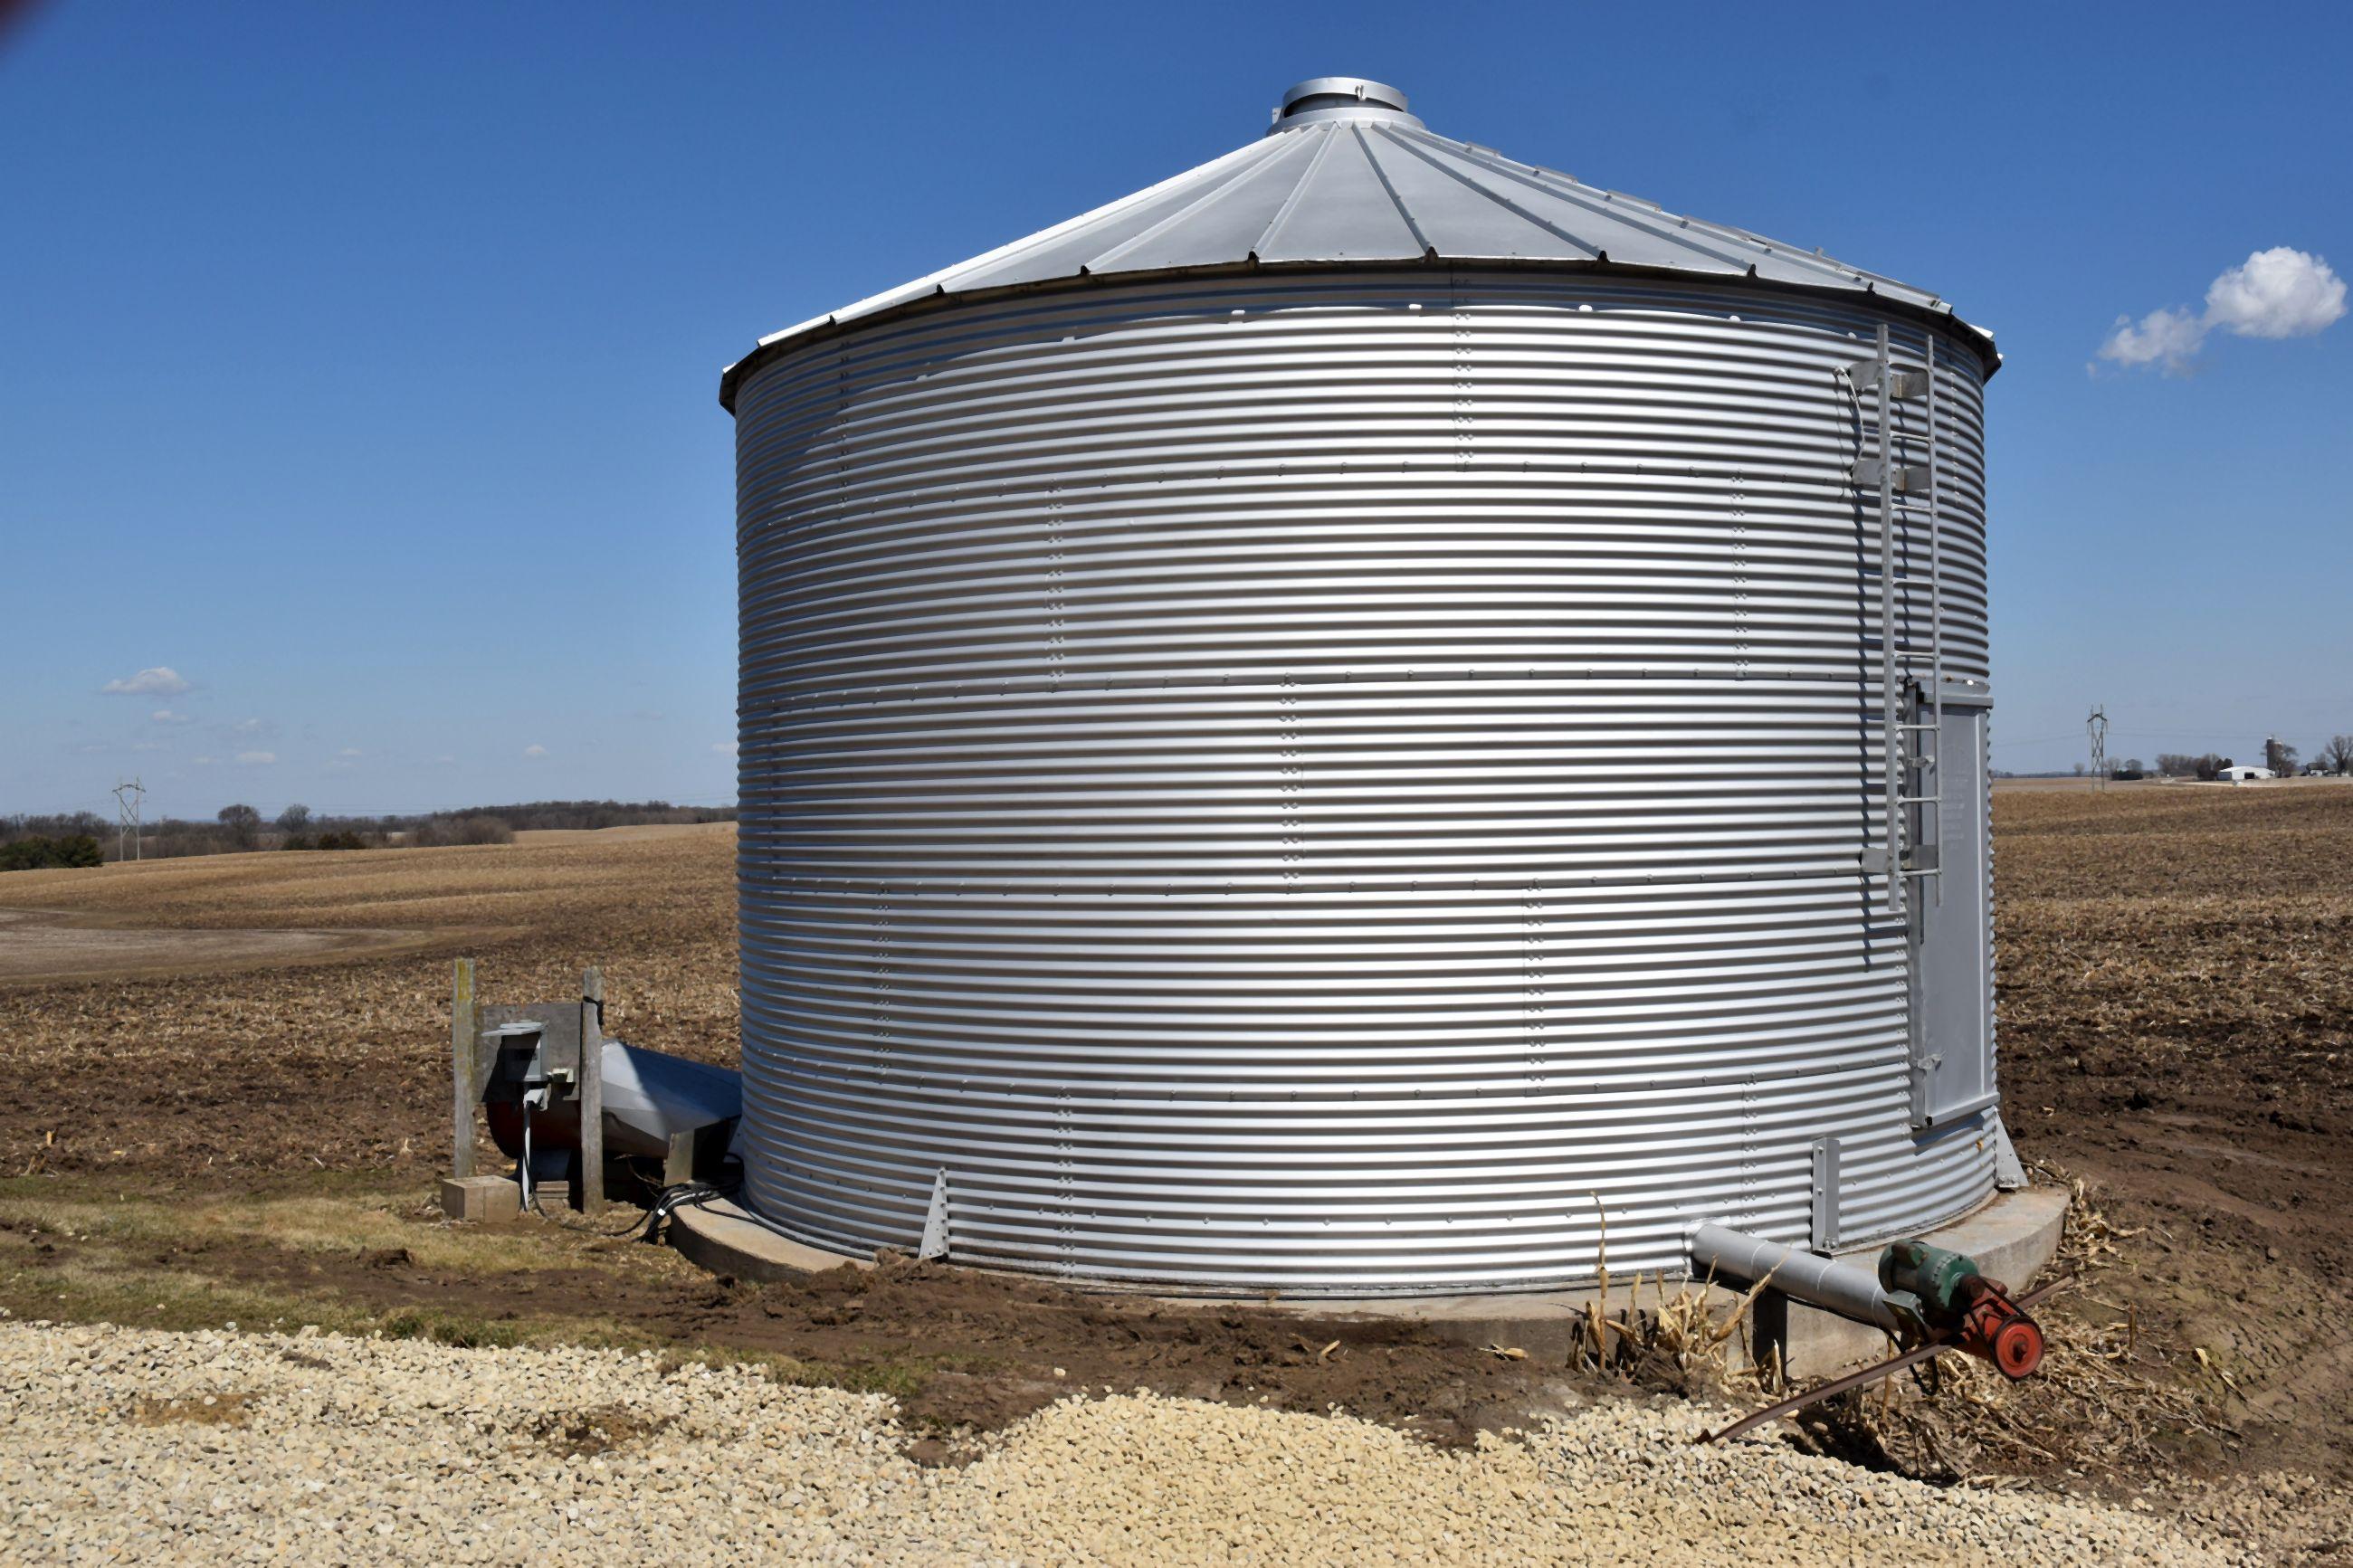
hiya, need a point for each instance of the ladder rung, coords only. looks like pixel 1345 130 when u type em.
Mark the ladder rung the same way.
pixel 1900 476
pixel 1919 800
pixel 1922 870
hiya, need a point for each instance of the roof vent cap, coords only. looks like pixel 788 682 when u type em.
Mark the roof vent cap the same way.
pixel 1341 97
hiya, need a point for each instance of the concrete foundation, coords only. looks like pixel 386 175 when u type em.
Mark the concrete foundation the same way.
pixel 482 1200
pixel 2012 1236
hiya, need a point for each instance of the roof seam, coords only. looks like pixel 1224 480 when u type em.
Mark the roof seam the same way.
pixel 1298 192
pixel 1497 197
pixel 1233 181
pixel 1597 208
pixel 1389 186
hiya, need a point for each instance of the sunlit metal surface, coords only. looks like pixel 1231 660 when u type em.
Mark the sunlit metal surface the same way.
pixel 1349 178
pixel 1331 781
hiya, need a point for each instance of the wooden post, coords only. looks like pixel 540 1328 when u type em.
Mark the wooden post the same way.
pixel 461 1069
pixel 592 1092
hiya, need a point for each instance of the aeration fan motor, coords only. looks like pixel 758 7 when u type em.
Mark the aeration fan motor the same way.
pixel 1937 1291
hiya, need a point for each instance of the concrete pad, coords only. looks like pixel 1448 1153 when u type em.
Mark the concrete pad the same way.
pixel 481 1200
pixel 720 1237
pixel 2011 1236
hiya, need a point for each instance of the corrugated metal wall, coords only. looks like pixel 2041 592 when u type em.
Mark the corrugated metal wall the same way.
pixel 1327 782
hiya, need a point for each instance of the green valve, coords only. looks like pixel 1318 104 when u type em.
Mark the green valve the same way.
pixel 1932 1276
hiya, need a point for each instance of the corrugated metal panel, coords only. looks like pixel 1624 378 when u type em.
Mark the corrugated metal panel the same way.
pixel 1326 783
pixel 1366 182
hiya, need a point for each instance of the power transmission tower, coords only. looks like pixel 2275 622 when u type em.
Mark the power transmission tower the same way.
pixel 127 798
pixel 2097 725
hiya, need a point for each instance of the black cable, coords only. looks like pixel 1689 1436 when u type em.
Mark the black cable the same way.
pixel 668 1201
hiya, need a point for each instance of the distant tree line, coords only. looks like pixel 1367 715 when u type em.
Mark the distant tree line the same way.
pixel 2333 756
pixel 38 852
pixel 85 839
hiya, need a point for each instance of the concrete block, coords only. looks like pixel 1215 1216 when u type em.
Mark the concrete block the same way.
pixel 481 1200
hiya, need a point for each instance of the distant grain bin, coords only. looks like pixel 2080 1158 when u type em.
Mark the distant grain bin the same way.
pixel 1335 722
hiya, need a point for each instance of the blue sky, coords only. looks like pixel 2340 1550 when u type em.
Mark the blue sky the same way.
pixel 358 363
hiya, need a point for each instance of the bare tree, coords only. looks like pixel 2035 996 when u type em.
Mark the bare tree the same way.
pixel 243 823
pixel 2337 755
pixel 2280 757
pixel 295 818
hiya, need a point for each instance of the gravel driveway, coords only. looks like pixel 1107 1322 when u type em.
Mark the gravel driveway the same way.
pixel 125 1445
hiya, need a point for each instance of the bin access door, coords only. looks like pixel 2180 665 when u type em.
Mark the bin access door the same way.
pixel 1952 925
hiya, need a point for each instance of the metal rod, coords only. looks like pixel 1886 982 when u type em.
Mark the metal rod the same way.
pixel 592 1092
pixel 1935 616
pixel 1890 759
pixel 1862 1377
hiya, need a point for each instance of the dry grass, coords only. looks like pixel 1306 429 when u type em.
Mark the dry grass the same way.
pixel 1685 1341
pixel 2095 1408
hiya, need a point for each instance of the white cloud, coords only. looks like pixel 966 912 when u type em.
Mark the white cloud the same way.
pixel 350 751
pixel 256 758
pixel 534 751
pixel 206 761
pixel 444 760
pixel 248 727
pixel 724 748
pixel 2276 293
pixel 151 745
pixel 161 681
pixel 165 716
pixel 2163 337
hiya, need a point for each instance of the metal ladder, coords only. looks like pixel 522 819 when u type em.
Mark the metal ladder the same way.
pixel 1908 672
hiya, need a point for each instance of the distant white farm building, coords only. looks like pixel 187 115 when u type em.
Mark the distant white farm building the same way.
pixel 2240 772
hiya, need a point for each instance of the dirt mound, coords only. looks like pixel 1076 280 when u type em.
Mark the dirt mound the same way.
pixel 998 1346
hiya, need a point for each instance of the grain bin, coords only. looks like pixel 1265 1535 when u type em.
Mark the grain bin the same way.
pixel 1339 722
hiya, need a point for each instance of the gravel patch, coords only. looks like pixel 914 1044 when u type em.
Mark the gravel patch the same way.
pixel 120 1444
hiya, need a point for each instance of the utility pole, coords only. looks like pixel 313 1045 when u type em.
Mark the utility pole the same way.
pixel 2097 727
pixel 127 798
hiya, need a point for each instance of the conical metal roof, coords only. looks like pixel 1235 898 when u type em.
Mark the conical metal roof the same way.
pixel 1345 175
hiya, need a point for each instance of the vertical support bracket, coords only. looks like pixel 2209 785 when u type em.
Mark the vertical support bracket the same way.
pixel 935 1222
pixel 592 1092
pixel 462 1028
pixel 2008 1170
pixel 1826 1195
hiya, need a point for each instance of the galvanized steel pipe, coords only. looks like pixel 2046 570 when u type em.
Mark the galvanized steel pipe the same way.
pixel 1719 1251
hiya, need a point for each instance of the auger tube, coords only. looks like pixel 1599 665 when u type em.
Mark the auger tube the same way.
pixel 1720 1251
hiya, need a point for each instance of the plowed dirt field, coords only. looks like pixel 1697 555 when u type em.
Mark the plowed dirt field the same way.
pixel 262 1116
